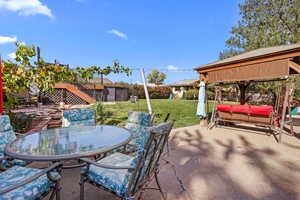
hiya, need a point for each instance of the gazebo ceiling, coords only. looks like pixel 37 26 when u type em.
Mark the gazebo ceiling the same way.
pixel 266 63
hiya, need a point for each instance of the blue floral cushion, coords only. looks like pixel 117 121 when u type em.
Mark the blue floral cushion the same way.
pixel 90 122
pixel 5 123
pixel 7 135
pixel 138 123
pixel 5 164
pixel 30 191
pixel 141 131
pixel 112 179
pixel 85 117
pixel 141 118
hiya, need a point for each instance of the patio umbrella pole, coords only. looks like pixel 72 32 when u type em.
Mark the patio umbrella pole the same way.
pixel 146 91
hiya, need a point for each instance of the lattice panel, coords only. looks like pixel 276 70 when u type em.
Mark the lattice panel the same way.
pixel 55 96
pixel 63 95
pixel 73 99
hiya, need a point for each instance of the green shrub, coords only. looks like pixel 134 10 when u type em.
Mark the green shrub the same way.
pixel 20 122
pixel 157 92
pixel 191 94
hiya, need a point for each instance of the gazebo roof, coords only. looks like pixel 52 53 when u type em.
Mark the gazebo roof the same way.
pixel 261 64
pixel 252 55
pixel 183 83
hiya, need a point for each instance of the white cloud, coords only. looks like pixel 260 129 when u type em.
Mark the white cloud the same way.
pixel 118 33
pixel 12 56
pixel 7 39
pixel 172 68
pixel 26 7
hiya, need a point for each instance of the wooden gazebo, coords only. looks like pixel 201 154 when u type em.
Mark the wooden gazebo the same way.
pixel 265 64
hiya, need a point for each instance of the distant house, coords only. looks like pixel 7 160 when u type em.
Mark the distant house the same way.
pixel 180 87
pixel 86 92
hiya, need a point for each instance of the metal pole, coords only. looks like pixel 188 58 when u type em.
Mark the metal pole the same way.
pixel 284 108
pixel 146 91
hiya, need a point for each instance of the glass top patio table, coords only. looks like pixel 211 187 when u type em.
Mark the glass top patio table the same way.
pixel 68 143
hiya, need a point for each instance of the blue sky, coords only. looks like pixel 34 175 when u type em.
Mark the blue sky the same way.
pixel 173 36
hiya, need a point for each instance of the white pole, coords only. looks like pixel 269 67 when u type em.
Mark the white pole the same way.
pixel 146 91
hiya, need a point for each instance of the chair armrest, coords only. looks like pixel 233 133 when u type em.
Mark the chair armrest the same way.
pixel 9 162
pixel 135 137
pixel 18 135
pixel 32 178
pixel 2 158
pixel 133 145
pixel 88 161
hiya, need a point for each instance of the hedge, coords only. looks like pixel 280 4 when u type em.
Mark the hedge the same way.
pixel 191 94
pixel 156 92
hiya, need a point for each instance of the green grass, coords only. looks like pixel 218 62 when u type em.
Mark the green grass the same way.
pixel 183 111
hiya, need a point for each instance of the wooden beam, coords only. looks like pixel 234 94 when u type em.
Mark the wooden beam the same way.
pixel 251 62
pixel 294 66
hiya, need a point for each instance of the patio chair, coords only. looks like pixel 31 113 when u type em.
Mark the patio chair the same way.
pixel 138 123
pixel 21 183
pixel 78 117
pixel 127 176
pixel 7 135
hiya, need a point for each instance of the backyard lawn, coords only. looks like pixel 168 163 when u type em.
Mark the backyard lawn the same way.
pixel 183 111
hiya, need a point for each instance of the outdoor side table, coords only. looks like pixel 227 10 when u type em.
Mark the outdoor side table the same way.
pixel 68 143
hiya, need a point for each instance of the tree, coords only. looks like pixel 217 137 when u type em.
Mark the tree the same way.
pixel 227 53
pixel 156 77
pixel 265 23
pixel 22 72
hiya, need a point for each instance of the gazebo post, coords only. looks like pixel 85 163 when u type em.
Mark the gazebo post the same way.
pixel 243 87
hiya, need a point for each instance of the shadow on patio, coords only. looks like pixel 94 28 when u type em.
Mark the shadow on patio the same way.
pixel 218 164
pixel 228 164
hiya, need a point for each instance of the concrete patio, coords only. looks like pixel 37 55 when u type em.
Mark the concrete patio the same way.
pixel 218 164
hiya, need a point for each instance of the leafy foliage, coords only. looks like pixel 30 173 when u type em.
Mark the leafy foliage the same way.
pixel 265 23
pixel 158 92
pixel 156 77
pixel 191 94
pixel 20 122
pixel 227 53
pixel 20 73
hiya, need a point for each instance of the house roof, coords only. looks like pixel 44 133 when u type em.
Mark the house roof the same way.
pixel 184 83
pixel 251 55
pixel 97 80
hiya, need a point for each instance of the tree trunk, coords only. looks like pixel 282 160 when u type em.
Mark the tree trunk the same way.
pixel 243 86
pixel 101 76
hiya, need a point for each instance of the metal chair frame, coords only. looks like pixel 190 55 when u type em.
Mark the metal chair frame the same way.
pixel 142 174
pixel 54 190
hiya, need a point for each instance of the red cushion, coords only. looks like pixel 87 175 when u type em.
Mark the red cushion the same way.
pixel 224 107
pixel 240 109
pixel 261 110
pixel 254 110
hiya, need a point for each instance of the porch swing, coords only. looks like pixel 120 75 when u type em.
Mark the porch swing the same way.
pixel 279 63
pixel 266 116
